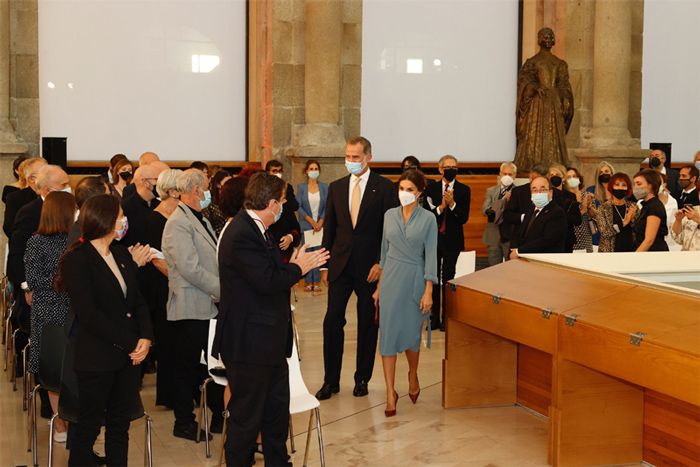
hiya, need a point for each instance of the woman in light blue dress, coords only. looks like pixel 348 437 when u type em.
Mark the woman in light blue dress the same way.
pixel 404 293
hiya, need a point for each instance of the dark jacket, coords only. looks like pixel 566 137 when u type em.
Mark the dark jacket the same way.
pixel 360 244
pixel 15 201
pixel 567 202
pixel 254 324
pixel 137 211
pixel 109 325
pixel 26 223
pixel 288 224
pixel 453 239
pixel 546 233
pixel 519 204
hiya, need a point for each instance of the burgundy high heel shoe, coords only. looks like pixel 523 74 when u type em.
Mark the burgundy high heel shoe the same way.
pixel 391 413
pixel 414 397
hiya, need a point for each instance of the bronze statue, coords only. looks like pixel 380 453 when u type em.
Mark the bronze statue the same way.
pixel 545 107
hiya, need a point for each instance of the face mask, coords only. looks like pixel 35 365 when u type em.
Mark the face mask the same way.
pixel 124 228
pixel 697 165
pixel 406 198
pixel 126 176
pixel 154 191
pixel 279 214
pixel 313 174
pixel 684 183
pixel 603 178
pixel 540 200
pixel 555 180
pixel 654 162
pixel 450 173
pixel 640 193
pixel 204 203
pixel 619 193
pixel 506 180
pixel 278 175
pixel 68 189
pixel 573 182
pixel 354 168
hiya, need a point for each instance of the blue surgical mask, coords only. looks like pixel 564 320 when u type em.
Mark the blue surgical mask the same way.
pixel 279 214
pixel 697 165
pixel 540 200
pixel 313 174
pixel 354 168
pixel 123 229
pixel 204 203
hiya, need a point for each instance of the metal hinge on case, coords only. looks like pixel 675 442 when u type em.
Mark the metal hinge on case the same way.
pixel 570 319
pixel 637 338
pixel 496 299
pixel 546 313
pixel 452 286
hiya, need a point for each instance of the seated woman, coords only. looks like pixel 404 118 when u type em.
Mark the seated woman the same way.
pixel 114 331
pixel 41 258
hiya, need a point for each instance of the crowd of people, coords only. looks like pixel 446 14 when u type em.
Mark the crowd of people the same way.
pixel 136 263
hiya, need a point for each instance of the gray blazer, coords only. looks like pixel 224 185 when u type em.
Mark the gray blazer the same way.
pixel 193 270
pixel 492 235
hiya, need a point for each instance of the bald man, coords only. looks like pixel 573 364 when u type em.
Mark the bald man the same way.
pixel 145 159
pixel 18 199
pixel 137 208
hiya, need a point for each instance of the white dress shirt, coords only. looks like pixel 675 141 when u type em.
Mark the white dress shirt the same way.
pixel 451 186
pixel 258 221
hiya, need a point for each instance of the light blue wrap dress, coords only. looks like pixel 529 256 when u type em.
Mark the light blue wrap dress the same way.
pixel 409 258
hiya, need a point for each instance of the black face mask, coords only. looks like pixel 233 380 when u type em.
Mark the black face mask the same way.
pixel 450 173
pixel 155 192
pixel 555 180
pixel 684 183
pixel 619 194
pixel 126 176
pixel 654 162
pixel 603 178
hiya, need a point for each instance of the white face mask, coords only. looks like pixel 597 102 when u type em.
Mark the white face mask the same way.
pixel 406 198
pixel 573 182
pixel 506 180
pixel 278 175
pixel 68 189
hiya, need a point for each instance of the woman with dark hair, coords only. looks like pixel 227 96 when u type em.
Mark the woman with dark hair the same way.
pixel 410 162
pixel 311 196
pixel 405 290
pixel 41 258
pixel 615 217
pixel 122 174
pixel 650 227
pixel 20 182
pixel 113 333
pixel 213 211
pixel 573 183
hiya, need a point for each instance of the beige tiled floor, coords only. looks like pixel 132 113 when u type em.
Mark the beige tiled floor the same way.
pixel 355 430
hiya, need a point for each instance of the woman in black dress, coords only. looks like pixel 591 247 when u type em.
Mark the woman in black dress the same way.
pixel 156 273
pixel 650 226
pixel 113 331
pixel 19 176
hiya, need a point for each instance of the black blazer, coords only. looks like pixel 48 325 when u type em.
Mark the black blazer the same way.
pixel 362 244
pixel 547 234
pixel 571 207
pixel 673 182
pixel 453 240
pixel 688 198
pixel 520 202
pixel 254 324
pixel 26 223
pixel 137 211
pixel 15 201
pixel 288 224
pixel 108 324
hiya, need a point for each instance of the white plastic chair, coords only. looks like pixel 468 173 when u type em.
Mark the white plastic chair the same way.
pixel 212 363
pixel 301 400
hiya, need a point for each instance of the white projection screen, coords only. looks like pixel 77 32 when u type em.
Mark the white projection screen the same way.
pixel 670 71
pixel 439 77
pixel 134 75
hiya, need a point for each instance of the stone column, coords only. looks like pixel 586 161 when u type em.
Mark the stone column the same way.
pixel 321 135
pixel 611 75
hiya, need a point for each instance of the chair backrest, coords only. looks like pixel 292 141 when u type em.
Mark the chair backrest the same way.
pixel 53 345
pixel 213 362
pixel 297 386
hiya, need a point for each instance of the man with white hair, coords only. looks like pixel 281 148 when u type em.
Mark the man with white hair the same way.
pixel 16 200
pixel 138 207
pixel 494 204
pixel 189 247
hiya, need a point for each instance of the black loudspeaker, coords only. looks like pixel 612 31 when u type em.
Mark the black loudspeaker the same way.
pixel 54 150
pixel 666 148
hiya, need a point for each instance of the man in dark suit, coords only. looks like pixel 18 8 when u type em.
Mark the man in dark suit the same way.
pixel 449 201
pixel 544 228
pixel 519 204
pixel 145 159
pixel 688 182
pixel 137 208
pixel 18 199
pixel 352 232
pixel 254 333
pixel 657 161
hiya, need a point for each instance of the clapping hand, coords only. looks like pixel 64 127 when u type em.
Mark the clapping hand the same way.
pixel 286 241
pixel 140 352
pixel 141 254
pixel 308 260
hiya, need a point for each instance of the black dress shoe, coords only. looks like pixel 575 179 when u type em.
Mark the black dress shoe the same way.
pixel 189 432
pixel 327 391
pixel 360 389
